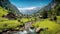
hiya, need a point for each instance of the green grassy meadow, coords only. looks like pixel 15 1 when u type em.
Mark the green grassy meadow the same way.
pixel 53 27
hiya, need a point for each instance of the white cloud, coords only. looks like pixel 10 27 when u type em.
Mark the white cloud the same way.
pixel 28 8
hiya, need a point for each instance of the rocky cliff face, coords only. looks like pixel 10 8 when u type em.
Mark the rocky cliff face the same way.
pixel 7 5
pixel 51 5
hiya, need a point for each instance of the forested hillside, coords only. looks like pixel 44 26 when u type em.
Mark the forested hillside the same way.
pixel 7 5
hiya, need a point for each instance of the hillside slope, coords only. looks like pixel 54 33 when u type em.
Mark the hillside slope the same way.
pixel 51 7
pixel 7 5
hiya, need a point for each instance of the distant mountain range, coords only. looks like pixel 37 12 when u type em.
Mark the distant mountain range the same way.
pixel 30 10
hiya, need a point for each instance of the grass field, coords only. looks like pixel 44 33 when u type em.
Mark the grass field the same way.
pixel 52 26
pixel 26 19
pixel 5 23
pixel 3 11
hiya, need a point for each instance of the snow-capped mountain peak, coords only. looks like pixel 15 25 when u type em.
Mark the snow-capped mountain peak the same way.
pixel 29 10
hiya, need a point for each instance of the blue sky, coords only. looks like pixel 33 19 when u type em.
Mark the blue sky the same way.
pixel 30 3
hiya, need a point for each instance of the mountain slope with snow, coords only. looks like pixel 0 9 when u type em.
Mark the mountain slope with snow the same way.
pixel 29 10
